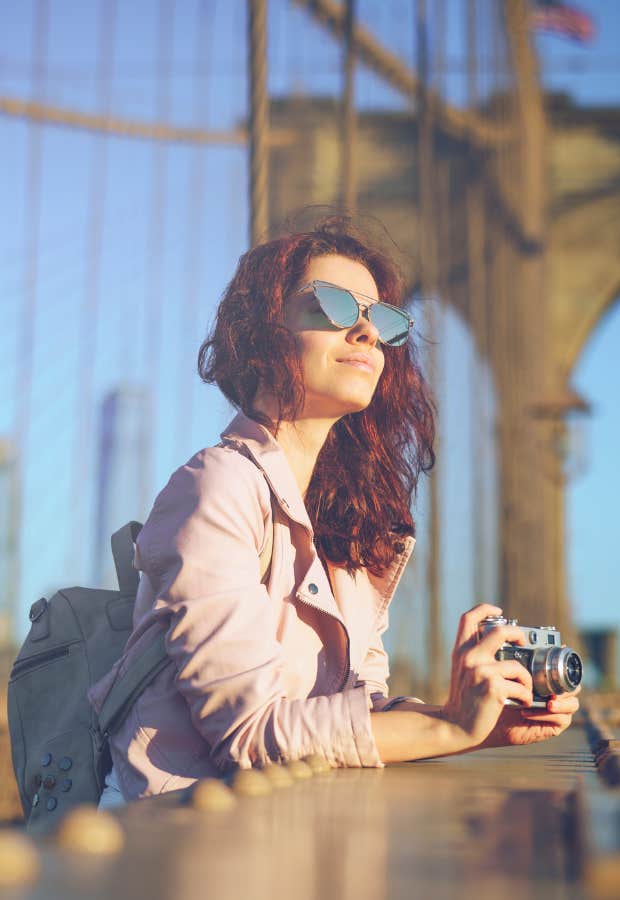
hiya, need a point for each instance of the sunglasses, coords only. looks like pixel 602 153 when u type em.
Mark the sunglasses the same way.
pixel 343 309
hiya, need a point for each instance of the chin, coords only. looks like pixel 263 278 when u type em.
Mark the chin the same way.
pixel 355 404
pixel 329 406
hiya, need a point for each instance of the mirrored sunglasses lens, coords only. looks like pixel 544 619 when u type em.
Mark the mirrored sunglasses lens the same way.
pixel 392 325
pixel 337 304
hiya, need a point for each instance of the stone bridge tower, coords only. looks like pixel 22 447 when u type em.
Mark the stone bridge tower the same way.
pixel 531 289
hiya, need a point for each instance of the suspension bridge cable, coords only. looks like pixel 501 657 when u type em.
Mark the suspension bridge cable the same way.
pixel 85 440
pixel 348 133
pixel 428 273
pixel 453 121
pixel 475 306
pixel 156 237
pixel 129 128
pixel 184 409
pixel 485 86
pixel 259 120
pixel 503 313
pixel 26 358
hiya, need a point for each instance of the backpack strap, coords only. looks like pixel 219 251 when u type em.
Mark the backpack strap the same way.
pixel 122 550
pixel 126 690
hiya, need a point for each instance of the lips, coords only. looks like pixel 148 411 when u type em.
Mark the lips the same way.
pixel 359 361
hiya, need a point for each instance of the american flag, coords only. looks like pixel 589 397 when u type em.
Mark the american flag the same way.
pixel 559 18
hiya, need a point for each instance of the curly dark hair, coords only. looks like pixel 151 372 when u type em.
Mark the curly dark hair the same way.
pixel 367 472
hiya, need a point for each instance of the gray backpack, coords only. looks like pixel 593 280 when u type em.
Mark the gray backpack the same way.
pixel 59 745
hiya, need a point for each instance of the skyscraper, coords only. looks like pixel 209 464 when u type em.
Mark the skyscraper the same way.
pixel 124 458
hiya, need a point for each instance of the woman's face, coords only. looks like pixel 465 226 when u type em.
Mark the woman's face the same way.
pixel 341 366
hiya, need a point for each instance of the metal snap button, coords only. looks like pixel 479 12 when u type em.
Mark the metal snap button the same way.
pixel 313 588
pixel 65 785
pixel 46 759
pixel 52 803
pixel 49 782
pixel 65 763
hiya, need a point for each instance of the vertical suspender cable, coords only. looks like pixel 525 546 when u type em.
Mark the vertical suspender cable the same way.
pixel 488 308
pixel 445 262
pixel 349 119
pixel 156 248
pixel 195 224
pixel 84 443
pixel 476 301
pixel 428 266
pixel 502 325
pixel 27 321
pixel 496 304
pixel 259 121
pixel 533 498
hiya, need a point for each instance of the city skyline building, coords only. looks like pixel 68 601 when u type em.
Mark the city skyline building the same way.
pixel 123 466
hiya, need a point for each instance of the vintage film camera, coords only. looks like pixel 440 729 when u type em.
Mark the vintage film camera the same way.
pixel 554 669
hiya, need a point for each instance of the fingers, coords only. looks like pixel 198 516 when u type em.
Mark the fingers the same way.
pixel 512 670
pixel 507 680
pixel 469 621
pixel 559 708
pixel 483 651
pixel 559 721
pixel 564 703
pixel 502 634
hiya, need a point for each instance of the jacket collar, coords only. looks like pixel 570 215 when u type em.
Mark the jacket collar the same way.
pixel 271 459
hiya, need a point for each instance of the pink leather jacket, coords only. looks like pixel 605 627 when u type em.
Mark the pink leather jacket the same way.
pixel 257 672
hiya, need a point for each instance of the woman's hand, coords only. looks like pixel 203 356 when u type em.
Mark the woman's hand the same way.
pixel 528 726
pixel 479 683
pixel 474 716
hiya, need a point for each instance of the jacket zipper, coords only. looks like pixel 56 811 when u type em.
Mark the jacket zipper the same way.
pixel 22 665
pixel 347 669
pixel 347 666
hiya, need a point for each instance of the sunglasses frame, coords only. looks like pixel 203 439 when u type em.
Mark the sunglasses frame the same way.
pixel 361 307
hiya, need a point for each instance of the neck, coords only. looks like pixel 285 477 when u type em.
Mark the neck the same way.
pixel 301 442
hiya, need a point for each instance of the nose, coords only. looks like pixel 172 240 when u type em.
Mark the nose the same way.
pixel 363 332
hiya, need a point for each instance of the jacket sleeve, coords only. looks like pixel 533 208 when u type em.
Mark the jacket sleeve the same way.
pixel 201 547
pixel 375 671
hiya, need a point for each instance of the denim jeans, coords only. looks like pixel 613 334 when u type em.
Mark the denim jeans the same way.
pixel 112 795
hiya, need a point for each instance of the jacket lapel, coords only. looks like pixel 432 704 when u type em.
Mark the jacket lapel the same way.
pixel 265 451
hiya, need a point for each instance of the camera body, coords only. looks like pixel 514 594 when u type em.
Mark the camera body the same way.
pixel 554 669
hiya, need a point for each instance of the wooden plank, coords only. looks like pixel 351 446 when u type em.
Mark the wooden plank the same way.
pixel 469 826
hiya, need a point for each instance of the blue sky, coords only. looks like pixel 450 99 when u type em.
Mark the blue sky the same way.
pixel 57 522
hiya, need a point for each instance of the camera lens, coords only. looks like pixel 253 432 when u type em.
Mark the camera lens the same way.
pixel 574 670
pixel 555 670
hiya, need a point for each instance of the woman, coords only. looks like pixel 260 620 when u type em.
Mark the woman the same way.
pixel 314 477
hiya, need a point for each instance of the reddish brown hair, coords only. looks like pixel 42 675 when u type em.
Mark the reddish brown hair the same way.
pixel 367 472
